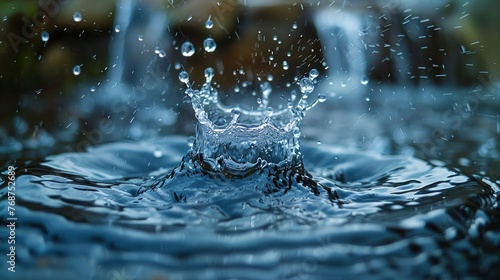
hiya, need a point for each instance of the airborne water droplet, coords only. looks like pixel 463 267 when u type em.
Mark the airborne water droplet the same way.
pixel 76 70
pixel 209 24
pixel 140 38
pixel 321 98
pixel 306 85
pixel 285 65
pixel 294 26
pixel 313 74
pixel 77 17
pixel 364 80
pixel 184 77
pixel 187 49
pixel 162 53
pixel 45 36
pixel 157 153
pixel 209 45
pixel 117 28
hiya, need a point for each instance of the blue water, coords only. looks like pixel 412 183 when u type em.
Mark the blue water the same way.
pixel 148 210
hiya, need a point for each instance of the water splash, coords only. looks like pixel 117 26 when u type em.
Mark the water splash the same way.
pixel 237 140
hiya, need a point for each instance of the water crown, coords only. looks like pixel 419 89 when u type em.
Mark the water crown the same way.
pixel 236 140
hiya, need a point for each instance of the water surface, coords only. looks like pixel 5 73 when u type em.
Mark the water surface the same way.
pixel 146 210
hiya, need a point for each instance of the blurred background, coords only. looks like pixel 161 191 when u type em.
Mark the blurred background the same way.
pixel 401 77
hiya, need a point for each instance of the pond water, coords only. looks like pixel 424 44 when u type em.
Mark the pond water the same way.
pixel 147 210
pixel 381 181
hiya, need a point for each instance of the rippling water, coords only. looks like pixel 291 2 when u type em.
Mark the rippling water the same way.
pixel 147 210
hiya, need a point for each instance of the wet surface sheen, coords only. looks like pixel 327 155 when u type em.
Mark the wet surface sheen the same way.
pixel 132 210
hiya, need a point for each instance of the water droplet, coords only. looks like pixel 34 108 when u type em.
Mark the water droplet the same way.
pixel 270 77
pixel 117 28
pixel 177 66
pixel 209 74
pixel 235 113
pixel 259 100
pixel 162 54
pixel 140 38
pixel 45 36
pixel 313 74
pixel 209 24
pixel 76 70
pixel 209 45
pixel 294 25
pixel 367 99
pixel 321 98
pixel 77 17
pixel 266 89
pixel 187 49
pixel 343 84
pixel 92 89
pixel 184 77
pixel 364 80
pixel 306 85
pixel 157 153
pixel 285 65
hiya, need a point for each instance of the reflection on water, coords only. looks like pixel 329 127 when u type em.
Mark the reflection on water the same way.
pixel 112 211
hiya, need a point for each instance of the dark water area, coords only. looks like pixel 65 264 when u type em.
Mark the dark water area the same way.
pixel 146 210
